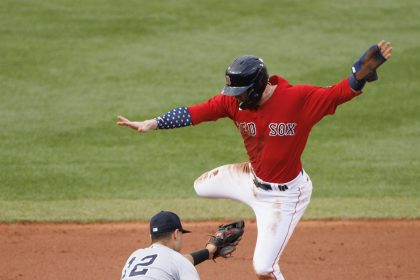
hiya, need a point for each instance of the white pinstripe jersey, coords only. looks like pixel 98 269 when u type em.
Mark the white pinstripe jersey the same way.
pixel 158 262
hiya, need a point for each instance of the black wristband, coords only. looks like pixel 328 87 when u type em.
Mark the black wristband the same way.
pixel 355 84
pixel 200 256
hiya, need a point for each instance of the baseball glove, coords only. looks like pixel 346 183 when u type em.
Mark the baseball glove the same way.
pixel 226 238
pixel 365 67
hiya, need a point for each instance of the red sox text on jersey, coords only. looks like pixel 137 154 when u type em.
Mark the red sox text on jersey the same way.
pixel 276 133
pixel 276 129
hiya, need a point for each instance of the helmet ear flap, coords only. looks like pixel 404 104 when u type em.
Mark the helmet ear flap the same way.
pixel 256 91
pixel 252 93
pixel 252 99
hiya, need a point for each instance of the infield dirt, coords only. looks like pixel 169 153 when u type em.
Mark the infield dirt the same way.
pixel 317 250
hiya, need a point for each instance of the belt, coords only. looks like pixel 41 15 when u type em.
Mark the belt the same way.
pixel 268 187
pixel 271 187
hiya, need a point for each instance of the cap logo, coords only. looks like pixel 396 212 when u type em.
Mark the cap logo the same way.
pixel 155 229
pixel 228 82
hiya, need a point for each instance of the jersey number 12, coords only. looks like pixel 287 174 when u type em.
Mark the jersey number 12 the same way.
pixel 146 261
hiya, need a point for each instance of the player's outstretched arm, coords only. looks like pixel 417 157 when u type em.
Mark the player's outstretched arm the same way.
pixel 142 126
pixel 364 69
pixel 176 118
pixel 203 255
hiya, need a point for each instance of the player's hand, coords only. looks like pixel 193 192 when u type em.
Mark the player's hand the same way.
pixel 143 126
pixel 386 49
pixel 364 69
pixel 212 249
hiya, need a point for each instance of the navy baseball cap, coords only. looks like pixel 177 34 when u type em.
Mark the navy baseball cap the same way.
pixel 166 221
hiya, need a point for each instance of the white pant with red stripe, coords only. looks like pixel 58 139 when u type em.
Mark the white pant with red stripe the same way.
pixel 277 212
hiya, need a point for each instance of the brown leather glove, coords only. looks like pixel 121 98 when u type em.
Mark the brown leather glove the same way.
pixel 226 238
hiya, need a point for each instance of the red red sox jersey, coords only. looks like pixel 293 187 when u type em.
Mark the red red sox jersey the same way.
pixel 276 133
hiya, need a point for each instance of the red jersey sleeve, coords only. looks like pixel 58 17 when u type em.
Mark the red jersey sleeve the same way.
pixel 322 101
pixel 215 108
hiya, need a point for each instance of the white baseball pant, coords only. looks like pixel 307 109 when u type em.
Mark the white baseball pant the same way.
pixel 277 212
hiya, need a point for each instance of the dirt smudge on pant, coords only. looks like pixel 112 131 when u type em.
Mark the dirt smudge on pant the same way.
pixel 203 177
pixel 243 167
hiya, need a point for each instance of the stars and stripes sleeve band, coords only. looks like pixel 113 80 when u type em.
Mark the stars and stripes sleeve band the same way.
pixel 178 117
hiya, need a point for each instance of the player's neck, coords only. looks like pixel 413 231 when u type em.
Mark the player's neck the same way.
pixel 268 92
pixel 166 243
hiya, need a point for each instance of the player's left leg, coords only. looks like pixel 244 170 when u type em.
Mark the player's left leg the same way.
pixel 232 181
pixel 277 215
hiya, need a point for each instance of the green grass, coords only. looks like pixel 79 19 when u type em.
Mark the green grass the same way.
pixel 68 68
pixel 193 209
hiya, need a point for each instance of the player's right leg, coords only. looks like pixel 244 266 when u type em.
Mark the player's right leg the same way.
pixel 277 215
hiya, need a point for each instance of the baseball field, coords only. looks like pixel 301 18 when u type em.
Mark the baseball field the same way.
pixel 68 68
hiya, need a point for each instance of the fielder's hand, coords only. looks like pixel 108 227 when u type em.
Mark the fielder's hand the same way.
pixel 143 126
pixel 227 238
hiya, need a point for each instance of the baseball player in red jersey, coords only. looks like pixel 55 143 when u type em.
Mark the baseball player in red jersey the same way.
pixel 274 119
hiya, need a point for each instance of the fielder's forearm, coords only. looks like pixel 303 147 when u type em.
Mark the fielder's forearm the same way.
pixel 202 255
pixel 199 256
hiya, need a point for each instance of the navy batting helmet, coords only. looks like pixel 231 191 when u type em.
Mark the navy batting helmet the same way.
pixel 248 74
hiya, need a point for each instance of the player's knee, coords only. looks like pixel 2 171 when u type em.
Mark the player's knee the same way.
pixel 199 184
pixel 263 271
pixel 204 185
pixel 265 277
